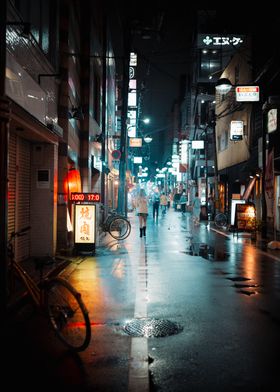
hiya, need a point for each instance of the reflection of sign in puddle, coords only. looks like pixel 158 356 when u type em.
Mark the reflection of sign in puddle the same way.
pixel 243 288
pixel 238 279
pixel 207 252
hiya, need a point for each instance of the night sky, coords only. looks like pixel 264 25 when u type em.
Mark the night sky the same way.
pixel 166 55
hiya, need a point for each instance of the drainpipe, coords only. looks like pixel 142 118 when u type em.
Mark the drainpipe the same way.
pixel 103 113
pixel 264 208
pixel 122 191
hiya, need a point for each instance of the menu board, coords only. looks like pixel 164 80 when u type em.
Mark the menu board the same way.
pixel 245 217
pixel 85 224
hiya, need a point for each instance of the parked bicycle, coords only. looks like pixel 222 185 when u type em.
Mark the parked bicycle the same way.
pixel 116 225
pixel 221 220
pixel 55 297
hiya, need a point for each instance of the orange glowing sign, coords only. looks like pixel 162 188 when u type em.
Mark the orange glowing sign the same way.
pixel 85 218
pixel 82 197
pixel 245 217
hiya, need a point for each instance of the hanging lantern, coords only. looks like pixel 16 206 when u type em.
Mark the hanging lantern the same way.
pixel 72 182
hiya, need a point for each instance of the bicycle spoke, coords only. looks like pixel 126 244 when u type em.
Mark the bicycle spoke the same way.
pixel 119 228
pixel 68 314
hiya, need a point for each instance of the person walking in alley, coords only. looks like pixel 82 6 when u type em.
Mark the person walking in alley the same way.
pixel 163 203
pixel 196 209
pixel 156 201
pixel 142 211
pixel 183 202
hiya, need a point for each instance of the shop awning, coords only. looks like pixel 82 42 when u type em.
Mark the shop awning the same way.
pixel 249 189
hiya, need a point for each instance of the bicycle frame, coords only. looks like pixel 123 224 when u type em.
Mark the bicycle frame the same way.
pixel 29 283
pixel 35 290
pixel 56 298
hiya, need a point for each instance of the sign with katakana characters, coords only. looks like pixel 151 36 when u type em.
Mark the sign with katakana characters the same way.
pixel 85 218
pixel 247 93
pixel 212 41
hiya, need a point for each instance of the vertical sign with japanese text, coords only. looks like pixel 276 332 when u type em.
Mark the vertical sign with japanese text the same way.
pixel 269 184
pixel 85 218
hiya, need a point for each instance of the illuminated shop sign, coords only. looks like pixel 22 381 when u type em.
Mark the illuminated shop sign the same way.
pixel 197 144
pixel 85 223
pixel 247 93
pixel 135 142
pixel 272 120
pixel 216 40
pixel 82 197
pixel 137 160
pixel 236 130
pixel 245 217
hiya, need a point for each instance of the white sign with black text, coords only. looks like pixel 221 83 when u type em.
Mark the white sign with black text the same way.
pixel 236 130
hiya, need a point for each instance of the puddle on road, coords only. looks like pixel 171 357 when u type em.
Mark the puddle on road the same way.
pixel 242 286
pixel 238 279
pixel 247 292
pixel 207 252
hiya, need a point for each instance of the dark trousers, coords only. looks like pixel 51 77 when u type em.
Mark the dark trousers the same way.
pixel 155 209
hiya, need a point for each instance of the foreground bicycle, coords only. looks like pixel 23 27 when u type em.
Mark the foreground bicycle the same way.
pixel 116 225
pixel 57 298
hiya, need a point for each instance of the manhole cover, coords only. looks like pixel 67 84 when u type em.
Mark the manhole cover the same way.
pixel 151 328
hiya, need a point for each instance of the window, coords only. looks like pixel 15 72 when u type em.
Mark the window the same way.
pixel 43 17
pixel 223 141
pixel 210 62
pixel 219 143
pixel 96 99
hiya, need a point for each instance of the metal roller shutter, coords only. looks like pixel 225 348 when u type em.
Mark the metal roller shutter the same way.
pixel 12 184
pixel 23 197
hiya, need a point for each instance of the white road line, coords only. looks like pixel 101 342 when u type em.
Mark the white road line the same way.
pixel 220 232
pixel 138 380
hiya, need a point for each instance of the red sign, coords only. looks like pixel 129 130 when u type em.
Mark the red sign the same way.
pixel 80 197
pixel 247 93
pixel 116 154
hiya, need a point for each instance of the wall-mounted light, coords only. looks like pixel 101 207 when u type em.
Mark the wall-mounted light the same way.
pixel 223 86
pixel 148 139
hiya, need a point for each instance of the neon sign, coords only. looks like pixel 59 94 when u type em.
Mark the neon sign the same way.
pixel 82 197
pixel 217 41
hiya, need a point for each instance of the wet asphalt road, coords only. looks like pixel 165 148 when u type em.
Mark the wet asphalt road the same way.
pixel 216 297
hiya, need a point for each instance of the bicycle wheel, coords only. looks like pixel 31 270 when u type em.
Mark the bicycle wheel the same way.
pixel 68 314
pixel 119 228
pixel 220 220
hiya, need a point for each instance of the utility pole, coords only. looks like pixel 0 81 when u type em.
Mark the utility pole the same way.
pixel 206 170
pixel 122 191
pixel 103 111
pixel 4 138
pixel 217 201
pixel 264 207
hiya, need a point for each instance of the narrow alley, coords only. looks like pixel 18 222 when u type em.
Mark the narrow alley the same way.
pixel 185 308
